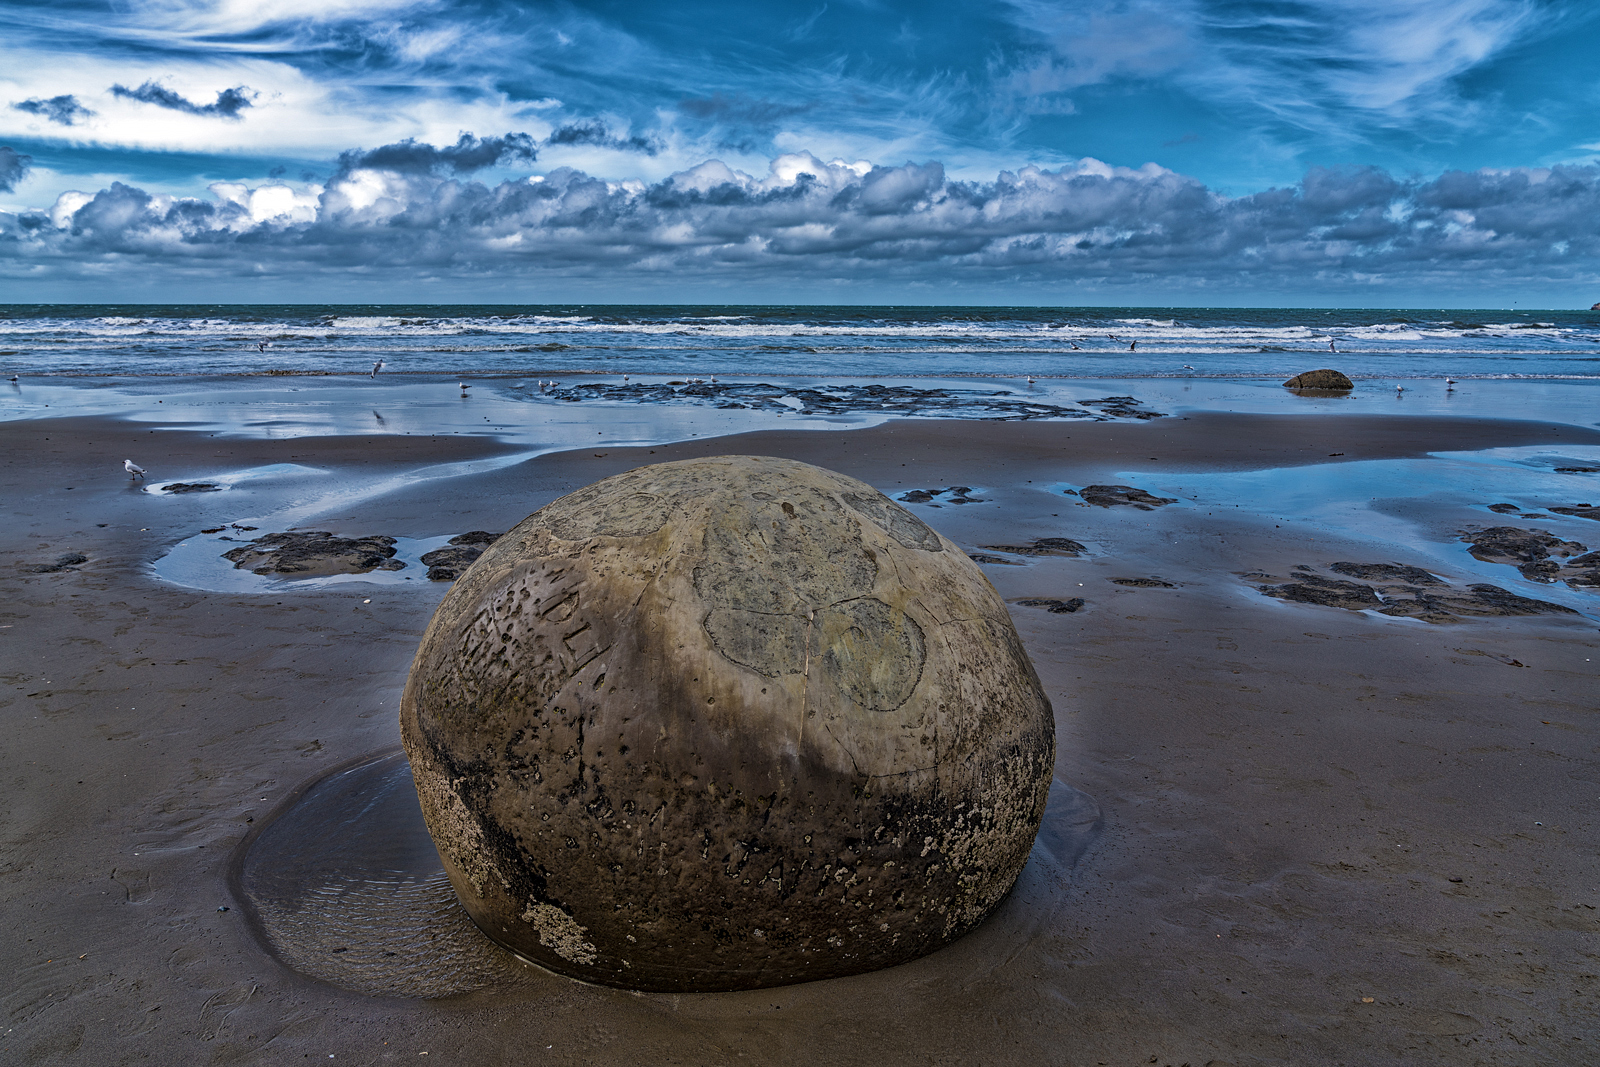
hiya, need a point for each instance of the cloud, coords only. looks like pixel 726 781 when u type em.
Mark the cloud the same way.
pixel 14 166
pixel 228 104
pixel 398 211
pixel 1314 66
pixel 594 132
pixel 740 109
pixel 64 110
pixel 468 154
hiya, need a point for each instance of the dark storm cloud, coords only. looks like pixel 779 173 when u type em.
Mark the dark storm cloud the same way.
pixel 468 154
pixel 597 133
pixel 228 104
pixel 14 166
pixel 394 208
pixel 64 109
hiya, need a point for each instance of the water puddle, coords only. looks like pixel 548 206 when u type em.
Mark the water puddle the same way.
pixel 269 474
pixel 347 888
pixel 1415 503
pixel 197 563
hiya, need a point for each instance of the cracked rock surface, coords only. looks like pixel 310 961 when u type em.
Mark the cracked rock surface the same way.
pixel 723 724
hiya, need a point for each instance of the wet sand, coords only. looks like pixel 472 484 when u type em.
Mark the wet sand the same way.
pixel 1328 836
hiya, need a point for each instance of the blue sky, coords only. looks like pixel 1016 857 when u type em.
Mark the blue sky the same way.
pixel 1360 152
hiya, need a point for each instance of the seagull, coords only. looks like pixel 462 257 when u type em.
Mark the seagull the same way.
pixel 1133 346
pixel 1449 385
pixel 12 379
pixel 1330 345
pixel 1399 389
pixel 1187 366
pixel 1030 379
pixel 133 468
pixel 1075 347
pixel 261 346
pixel 376 367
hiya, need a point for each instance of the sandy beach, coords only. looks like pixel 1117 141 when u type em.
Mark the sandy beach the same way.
pixel 1284 831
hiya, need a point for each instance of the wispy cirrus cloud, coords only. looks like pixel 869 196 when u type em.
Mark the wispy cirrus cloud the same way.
pixel 1319 66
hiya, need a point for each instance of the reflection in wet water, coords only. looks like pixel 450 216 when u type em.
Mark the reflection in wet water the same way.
pixel 197 562
pixel 349 889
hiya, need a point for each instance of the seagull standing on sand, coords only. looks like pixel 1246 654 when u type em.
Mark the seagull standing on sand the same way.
pixel 133 468
pixel 1449 385
pixel 1030 379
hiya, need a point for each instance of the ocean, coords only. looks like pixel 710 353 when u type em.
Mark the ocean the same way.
pixel 824 342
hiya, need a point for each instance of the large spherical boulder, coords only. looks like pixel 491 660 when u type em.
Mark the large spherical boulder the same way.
pixel 726 723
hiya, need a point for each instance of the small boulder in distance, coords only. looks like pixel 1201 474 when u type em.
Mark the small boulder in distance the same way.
pixel 1320 379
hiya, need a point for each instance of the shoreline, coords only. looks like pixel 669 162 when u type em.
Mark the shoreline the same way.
pixel 1289 790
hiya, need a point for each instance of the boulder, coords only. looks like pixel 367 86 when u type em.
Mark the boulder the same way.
pixel 723 724
pixel 1320 379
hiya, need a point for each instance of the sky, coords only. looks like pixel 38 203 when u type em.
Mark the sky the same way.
pixel 1365 153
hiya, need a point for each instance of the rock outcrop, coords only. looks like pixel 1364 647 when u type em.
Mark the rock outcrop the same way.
pixel 447 564
pixel 312 553
pixel 1326 378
